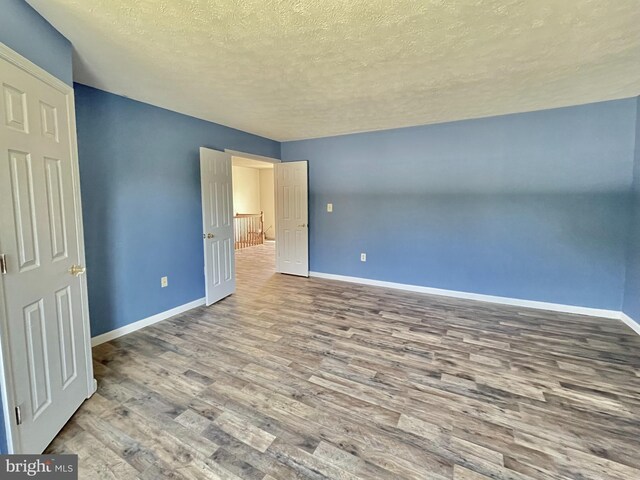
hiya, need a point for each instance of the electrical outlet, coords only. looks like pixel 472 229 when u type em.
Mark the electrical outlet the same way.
pixel 329 207
pixel 164 282
pixel 363 257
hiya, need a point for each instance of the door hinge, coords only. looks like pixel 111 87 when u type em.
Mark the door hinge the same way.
pixel 18 416
pixel 3 264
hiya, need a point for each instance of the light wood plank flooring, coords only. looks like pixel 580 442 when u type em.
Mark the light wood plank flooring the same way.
pixel 295 378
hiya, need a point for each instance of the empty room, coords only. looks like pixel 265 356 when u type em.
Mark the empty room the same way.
pixel 296 239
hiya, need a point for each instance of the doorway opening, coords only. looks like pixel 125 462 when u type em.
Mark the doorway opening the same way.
pixel 219 214
pixel 253 218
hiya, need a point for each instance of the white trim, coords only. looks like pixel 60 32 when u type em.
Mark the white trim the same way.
pixel 631 323
pixel 554 307
pixel 145 322
pixel 75 166
pixel 236 153
pixel 33 69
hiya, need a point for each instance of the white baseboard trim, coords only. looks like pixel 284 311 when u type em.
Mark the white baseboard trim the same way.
pixel 630 322
pixel 554 307
pixel 145 322
pixel 516 302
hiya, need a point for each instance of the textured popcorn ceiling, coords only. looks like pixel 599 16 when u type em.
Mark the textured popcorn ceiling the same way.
pixel 291 69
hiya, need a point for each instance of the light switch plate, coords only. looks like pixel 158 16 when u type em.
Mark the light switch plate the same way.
pixel 164 281
pixel 329 207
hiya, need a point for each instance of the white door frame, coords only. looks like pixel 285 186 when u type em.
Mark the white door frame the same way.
pixel 236 153
pixel 7 387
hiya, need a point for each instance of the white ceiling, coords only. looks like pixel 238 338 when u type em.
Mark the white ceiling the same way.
pixel 291 69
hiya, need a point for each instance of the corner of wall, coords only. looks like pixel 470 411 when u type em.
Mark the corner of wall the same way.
pixel 631 294
pixel 27 32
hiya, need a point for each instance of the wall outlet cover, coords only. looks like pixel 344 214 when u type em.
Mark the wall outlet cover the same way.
pixel 363 257
pixel 329 207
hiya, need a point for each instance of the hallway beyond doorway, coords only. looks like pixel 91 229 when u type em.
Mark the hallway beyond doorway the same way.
pixel 255 266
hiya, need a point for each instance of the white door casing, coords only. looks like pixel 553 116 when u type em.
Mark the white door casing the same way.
pixel 217 224
pixel 292 218
pixel 46 349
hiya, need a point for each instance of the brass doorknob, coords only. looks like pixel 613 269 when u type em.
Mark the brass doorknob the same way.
pixel 77 270
pixel 210 235
pixel 303 225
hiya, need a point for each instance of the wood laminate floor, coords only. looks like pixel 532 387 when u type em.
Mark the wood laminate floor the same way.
pixel 306 378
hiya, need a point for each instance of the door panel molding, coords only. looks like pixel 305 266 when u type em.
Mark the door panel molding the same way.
pixel 68 354
pixel 38 366
pixel 54 129
pixel 24 210
pixel 55 201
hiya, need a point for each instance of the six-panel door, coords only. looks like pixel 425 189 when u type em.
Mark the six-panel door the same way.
pixel 292 218
pixel 217 224
pixel 39 236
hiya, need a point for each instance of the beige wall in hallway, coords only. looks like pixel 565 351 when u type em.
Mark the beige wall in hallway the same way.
pixel 246 190
pixel 267 202
pixel 253 193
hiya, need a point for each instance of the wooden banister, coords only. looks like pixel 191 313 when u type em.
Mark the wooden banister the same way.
pixel 248 229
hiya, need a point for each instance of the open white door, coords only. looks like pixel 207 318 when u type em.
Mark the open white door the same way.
pixel 43 293
pixel 292 218
pixel 217 224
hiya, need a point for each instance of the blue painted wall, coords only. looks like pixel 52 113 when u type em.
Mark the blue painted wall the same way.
pixel 25 31
pixel 22 29
pixel 632 287
pixel 140 179
pixel 532 206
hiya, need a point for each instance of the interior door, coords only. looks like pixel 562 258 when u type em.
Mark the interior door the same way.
pixel 44 293
pixel 217 224
pixel 292 218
